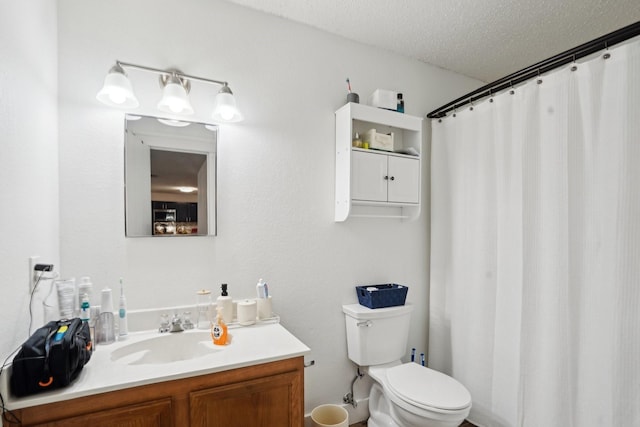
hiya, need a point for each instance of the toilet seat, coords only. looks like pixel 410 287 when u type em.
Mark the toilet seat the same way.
pixel 425 388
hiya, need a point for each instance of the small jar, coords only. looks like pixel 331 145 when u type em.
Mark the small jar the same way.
pixel 186 320
pixel 203 309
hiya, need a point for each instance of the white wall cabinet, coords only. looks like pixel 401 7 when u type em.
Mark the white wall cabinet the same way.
pixel 378 177
pixel 373 183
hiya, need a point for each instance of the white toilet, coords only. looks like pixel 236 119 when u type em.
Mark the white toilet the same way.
pixel 403 395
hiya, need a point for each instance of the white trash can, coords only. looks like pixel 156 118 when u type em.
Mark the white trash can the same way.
pixel 330 416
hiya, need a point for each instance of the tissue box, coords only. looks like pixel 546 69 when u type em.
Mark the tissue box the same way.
pixel 379 141
pixel 383 98
pixel 386 295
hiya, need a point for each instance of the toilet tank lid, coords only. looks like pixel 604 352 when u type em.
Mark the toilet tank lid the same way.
pixel 358 311
pixel 427 388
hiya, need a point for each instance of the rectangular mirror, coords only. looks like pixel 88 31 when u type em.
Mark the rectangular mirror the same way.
pixel 170 177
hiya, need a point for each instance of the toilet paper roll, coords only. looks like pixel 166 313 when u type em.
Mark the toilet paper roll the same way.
pixel 247 312
pixel 264 308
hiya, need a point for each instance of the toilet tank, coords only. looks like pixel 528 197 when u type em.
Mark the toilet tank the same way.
pixel 376 336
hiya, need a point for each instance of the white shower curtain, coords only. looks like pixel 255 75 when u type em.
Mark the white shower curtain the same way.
pixel 535 248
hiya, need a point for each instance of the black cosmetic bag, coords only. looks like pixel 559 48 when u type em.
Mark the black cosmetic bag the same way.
pixel 52 357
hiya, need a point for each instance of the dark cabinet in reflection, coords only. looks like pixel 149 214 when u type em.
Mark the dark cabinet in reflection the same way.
pixel 187 212
pixel 174 217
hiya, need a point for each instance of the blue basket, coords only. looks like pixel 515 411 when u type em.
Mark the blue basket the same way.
pixel 386 295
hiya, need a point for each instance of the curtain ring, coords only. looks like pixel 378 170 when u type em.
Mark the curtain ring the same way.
pixel 470 103
pixel 606 47
pixel 490 96
pixel 539 81
pixel 511 92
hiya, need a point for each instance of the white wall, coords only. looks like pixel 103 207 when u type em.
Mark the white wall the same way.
pixel 275 170
pixel 28 159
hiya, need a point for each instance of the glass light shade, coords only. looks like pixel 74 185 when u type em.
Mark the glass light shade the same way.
pixel 117 90
pixel 173 122
pixel 224 108
pixel 175 99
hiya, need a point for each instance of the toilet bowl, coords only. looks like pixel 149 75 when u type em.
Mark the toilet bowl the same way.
pixel 403 395
pixel 411 395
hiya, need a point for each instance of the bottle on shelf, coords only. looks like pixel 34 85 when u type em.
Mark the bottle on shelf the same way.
pixel 357 142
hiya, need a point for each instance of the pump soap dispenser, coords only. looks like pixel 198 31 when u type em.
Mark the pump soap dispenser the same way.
pixel 225 302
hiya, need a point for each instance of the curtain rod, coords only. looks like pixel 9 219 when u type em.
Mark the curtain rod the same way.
pixel 541 67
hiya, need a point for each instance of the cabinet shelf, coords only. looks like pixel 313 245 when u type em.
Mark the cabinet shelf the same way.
pixel 376 183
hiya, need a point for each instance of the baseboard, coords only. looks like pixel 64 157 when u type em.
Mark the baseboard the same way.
pixel 356 415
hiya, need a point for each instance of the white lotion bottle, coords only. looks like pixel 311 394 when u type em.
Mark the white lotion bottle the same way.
pixel 225 302
pixel 261 289
pixel 123 328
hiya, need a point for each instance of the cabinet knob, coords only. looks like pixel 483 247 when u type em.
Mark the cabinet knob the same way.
pixel 386 177
pixel 392 178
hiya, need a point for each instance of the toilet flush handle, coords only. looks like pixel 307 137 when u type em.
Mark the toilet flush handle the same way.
pixel 366 323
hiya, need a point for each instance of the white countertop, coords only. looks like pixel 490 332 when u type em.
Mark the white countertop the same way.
pixel 252 345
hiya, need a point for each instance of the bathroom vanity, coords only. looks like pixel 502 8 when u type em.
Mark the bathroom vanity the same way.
pixel 150 380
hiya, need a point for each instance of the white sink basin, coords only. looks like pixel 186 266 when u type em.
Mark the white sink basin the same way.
pixel 166 348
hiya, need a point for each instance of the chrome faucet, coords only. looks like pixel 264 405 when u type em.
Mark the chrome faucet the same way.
pixel 176 324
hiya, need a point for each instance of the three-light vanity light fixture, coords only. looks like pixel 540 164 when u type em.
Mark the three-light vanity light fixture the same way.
pixel 117 91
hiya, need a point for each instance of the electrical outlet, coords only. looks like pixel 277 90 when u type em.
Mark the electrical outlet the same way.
pixel 39 271
pixel 33 260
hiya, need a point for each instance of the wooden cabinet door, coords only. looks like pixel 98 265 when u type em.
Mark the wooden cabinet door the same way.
pixel 274 401
pixel 155 413
pixel 368 172
pixel 404 180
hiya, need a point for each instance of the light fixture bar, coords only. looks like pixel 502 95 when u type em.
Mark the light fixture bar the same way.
pixel 170 72
pixel 117 91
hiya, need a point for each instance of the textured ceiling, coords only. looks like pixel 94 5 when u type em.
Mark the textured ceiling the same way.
pixel 484 39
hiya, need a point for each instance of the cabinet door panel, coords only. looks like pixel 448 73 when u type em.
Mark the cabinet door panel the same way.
pixel 368 171
pixel 152 414
pixel 405 185
pixel 263 402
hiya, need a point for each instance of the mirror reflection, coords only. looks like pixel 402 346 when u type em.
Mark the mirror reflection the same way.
pixel 170 171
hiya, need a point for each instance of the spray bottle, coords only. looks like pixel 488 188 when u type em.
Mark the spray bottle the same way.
pixel 106 323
